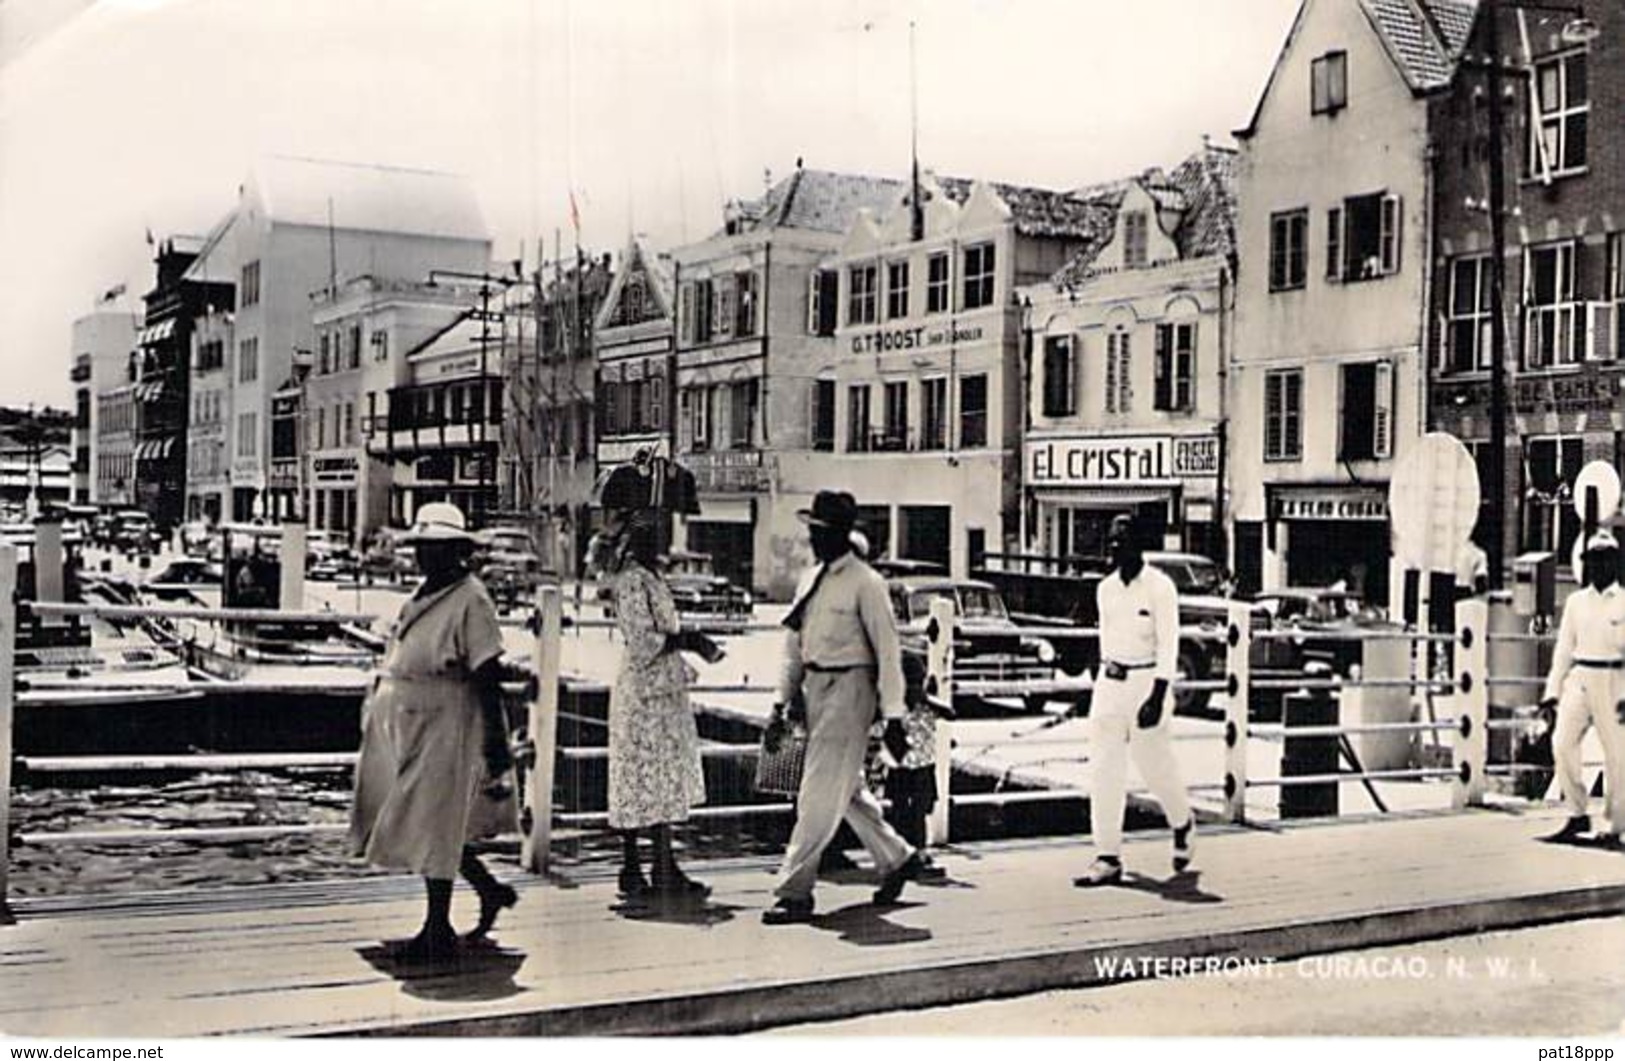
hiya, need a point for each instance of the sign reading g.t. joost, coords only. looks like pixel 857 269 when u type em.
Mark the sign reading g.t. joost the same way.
pixel 1136 459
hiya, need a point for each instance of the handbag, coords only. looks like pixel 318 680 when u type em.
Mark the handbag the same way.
pixel 778 770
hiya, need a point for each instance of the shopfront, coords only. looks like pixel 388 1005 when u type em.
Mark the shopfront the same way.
pixel 1078 485
pixel 1331 533
pixel 727 484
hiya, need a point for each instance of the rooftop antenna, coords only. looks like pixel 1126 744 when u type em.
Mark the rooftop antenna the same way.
pixel 332 252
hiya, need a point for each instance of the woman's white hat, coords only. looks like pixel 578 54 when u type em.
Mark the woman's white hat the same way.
pixel 439 521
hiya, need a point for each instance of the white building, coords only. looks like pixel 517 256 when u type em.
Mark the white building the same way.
pixel 1126 404
pixel 302 225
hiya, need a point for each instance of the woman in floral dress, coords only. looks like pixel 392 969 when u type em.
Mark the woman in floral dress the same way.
pixel 655 774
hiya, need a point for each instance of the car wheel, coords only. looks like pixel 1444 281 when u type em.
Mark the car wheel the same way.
pixel 1192 667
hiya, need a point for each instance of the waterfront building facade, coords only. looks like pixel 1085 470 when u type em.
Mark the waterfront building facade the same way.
pixel 102 342
pixel 749 344
pixel 1125 404
pixel 1563 149
pixel 300 226
pixel 917 406
pixel 1333 231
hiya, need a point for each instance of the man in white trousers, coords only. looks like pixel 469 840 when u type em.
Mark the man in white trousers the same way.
pixel 1584 688
pixel 1130 711
pixel 843 662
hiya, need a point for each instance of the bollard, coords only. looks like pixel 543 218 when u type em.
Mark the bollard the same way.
pixel 1303 756
pixel 1473 702
pixel 291 592
pixel 1237 705
pixel 543 729
pixel 939 683
pixel 49 581
pixel 8 689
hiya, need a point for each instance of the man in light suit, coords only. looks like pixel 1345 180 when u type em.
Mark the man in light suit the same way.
pixel 842 661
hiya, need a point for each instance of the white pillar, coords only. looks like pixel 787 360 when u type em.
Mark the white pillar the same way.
pixel 1238 697
pixel 48 561
pixel 542 729
pixel 292 595
pixel 1472 702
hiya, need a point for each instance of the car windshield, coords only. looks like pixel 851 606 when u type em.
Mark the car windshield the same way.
pixel 974 602
pixel 1193 574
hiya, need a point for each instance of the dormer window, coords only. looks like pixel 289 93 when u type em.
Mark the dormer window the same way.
pixel 1329 83
pixel 1134 239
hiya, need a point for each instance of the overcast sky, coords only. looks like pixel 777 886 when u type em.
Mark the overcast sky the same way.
pixel 123 115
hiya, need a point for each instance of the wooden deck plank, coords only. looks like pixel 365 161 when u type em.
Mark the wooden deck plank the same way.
pixel 295 959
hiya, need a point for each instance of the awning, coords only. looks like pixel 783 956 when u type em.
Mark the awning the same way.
pixel 1106 497
pixel 157 333
pixel 151 392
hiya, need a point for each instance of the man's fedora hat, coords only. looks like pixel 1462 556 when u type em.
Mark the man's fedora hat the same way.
pixel 831 508
pixel 1599 541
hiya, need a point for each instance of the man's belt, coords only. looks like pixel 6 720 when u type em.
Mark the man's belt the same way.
pixel 1119 671
pixel 836 668
pixel 1600 664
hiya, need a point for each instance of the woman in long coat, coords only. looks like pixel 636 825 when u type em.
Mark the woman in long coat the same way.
pixel 655 774
pixel 434 741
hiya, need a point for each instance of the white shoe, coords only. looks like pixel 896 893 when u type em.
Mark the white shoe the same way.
pixel 1184 845
pixel 1102 870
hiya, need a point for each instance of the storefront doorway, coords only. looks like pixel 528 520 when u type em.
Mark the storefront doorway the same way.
pixel 1320 552
pixel 922 533
pixel 730 546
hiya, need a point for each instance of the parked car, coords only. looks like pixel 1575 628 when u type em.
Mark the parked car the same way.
pixel 134 531
pixel 386 559
pixel 705 599
pixel 1324 616
pixel 508 565
pixel 1064 595
pixel 328 557
pixel 988 645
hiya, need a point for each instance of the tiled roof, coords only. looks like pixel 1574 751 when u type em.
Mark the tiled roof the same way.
pixel 1038 212
pixel 820 201
pixel 1424 44
pixel 1203 188
pixel 1208 180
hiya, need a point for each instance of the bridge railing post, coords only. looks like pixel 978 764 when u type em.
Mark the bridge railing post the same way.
pixel 1471 743
pixel 542 728
pixel 939 685
pixel 1238 698
pixel 8 699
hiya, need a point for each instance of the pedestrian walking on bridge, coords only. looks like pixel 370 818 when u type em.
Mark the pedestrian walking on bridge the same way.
pixel 1584 688
pixel 842 661
pixel 1139 650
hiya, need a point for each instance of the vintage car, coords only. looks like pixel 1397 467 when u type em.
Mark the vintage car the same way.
pixel 508 565
pixel 988 645
pixel 706 600
pixel 329 557
pixel 1324 617
pixel 387 559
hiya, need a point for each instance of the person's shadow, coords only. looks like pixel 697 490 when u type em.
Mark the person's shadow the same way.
pixel 477 972
pixel 865 925
pixel 1183 887
pixel 698 913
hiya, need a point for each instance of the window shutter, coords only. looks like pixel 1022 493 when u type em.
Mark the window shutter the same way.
pixel 1185 367
pixel 1382 413
pixel 1162 399
pixel 722 303
pixel 686 312
pixel 814 290
pixel 1389 239
pixel 1125 380
pixel 1272 416
pixel 1111 373
pixel 1334 244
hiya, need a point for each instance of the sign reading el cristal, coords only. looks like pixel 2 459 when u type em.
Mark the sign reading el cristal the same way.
pixel 1141 459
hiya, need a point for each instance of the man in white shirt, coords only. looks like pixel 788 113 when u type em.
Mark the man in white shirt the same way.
pixel 1584 688
pixel 1139 651
pixel 842 660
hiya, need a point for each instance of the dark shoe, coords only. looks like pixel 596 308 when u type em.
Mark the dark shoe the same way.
pixel 1572 830
pixel 632 884
pixel 1610 841
pixel 493 901
pixel 678 885
pixel 1184 845
pixel 891 885
pixel 1101 871
pixel 426 948
pixel 929 870
pixel 789 912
